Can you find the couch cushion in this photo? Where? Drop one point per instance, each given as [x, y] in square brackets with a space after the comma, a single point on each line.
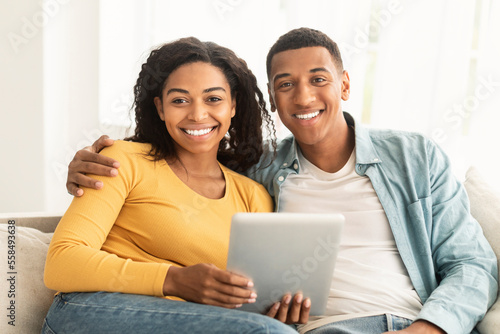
[32, 299]
[485, 207]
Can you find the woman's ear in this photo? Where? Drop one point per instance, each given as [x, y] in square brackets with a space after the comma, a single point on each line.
[233, 107]
[159, 107]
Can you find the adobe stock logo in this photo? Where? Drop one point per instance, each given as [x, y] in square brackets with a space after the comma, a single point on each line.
[456, 115]
[31, 26]
[293, 277]
[224, 6]
[296, 274]
[378, 21]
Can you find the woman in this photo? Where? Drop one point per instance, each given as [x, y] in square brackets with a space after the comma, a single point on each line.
[161, 229]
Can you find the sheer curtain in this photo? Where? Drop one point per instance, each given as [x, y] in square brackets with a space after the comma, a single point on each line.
[426, 66]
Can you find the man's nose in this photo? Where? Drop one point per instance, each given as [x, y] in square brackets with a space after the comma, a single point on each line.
[303, 95]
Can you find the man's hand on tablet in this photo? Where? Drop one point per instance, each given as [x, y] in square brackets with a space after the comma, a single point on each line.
[291, 312]
[89, 161]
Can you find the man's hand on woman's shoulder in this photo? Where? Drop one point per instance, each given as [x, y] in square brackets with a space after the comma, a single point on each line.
[89, 161]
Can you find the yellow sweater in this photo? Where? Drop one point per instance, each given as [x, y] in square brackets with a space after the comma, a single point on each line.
[124, 237]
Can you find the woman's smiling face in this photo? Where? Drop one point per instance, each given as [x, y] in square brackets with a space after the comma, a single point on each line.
[197, 107]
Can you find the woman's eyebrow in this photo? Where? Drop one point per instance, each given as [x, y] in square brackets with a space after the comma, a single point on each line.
[183, 91]
[177, 90]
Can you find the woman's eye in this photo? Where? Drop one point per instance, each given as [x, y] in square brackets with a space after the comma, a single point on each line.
[214, 99]
[179, 101]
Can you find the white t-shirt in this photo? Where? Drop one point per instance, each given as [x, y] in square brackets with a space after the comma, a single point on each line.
[370, 277]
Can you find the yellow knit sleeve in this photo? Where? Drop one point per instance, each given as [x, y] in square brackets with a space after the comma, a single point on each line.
[75, 261]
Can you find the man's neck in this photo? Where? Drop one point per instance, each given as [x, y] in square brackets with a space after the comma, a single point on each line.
[331, 156]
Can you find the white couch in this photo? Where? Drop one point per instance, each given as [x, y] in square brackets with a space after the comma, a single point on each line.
[31, 299]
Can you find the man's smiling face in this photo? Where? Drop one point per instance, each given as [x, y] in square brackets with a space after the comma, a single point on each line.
[306, 88]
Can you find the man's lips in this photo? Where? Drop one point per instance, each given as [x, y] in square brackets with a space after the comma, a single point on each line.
[309, 115]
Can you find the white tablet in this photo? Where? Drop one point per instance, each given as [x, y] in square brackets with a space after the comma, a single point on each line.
[285, 252]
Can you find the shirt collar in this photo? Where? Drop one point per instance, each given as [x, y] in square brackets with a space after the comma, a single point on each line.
[291, 155]
[365, 152]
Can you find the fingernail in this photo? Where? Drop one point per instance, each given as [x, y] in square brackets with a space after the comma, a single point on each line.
[298, 299]
[113, 172]
[79, 192]
[250, 284]
[253, 295]
[307, 303]
[98, 184]
[288, 298]
[252, 300]
[239, 305]
[276, 306]
[116, 164]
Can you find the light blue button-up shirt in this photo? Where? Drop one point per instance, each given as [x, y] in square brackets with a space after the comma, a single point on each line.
[450, 262]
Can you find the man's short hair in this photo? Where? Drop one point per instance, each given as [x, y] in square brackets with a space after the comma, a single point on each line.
[302, 38]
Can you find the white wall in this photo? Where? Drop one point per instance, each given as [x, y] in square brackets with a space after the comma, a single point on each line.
[52, 72]
[21, 92]
[71, 91]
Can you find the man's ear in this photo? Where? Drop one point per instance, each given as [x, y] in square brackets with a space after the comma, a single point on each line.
[271, 99]
[159, 108]
[346, 86]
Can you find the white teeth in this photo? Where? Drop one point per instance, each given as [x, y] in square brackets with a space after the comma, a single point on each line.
[308, 116]
[198, 132]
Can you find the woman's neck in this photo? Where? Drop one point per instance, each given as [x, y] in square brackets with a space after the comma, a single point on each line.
[201, 173]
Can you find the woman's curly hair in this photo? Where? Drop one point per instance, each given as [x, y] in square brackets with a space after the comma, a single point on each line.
[242, 147]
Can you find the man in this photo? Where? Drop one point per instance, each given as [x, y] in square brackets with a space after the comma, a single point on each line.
[412, 258]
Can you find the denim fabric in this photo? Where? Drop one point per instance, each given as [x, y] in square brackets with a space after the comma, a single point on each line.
[375, 324]
[104, 312]
[450, 262]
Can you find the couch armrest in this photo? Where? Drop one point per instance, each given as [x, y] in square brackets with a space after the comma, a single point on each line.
[45, 222]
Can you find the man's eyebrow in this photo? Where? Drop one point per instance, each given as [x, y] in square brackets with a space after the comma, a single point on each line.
[314, 70]
[211, 89]
[281, 75]
[319, 69]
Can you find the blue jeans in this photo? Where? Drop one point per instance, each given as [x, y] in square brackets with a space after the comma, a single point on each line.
[104, 312]
[376, 325]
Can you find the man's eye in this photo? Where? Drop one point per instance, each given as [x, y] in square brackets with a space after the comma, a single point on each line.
[318, 80]
[285, 84]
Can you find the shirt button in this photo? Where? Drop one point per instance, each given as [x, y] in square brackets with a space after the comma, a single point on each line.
[281, 178]
[285, 164]
[375, 160]
[295, 166]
